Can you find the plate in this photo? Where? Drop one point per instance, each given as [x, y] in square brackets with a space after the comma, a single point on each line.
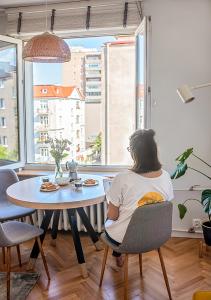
[63, 183]
[53, 190]
[91, 184]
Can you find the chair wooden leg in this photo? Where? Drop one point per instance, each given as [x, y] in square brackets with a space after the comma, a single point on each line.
[140, 264]
[164, 273]
[19, 254]
[31, 219]
[3, 255]
[103, 265]
[126, 277]
[43, 257]
[8, 271]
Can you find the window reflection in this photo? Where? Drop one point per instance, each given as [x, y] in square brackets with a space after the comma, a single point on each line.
[9, 146]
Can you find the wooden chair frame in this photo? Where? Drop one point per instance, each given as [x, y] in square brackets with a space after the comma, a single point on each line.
[140, 268]
[8, 263]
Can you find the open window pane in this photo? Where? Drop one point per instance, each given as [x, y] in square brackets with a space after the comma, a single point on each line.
[90, 100]
[9, 137]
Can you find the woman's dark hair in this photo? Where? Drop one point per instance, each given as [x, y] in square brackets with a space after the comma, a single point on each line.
[143, 150]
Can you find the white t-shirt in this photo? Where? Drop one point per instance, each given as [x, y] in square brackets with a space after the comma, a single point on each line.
[126, 190]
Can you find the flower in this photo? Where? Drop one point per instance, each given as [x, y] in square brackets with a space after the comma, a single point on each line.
[58, 146]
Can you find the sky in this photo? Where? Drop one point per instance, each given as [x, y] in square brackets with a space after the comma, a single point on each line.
[8, 55]
[51, 73]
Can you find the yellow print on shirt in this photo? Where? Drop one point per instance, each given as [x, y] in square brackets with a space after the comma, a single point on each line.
[150, 198]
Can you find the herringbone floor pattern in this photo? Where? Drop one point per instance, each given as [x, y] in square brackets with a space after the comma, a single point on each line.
[186, 271]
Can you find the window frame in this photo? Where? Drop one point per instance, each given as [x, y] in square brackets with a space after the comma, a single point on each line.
[88, 168]
[20, 103]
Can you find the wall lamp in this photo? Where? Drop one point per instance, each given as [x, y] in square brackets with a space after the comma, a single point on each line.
[185, 91]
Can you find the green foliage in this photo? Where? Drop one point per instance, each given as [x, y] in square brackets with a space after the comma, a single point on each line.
[3, 152]
[180, 170]
[8, 155]
[97, 143]
[182, 210]
[58, 148]
[206, 201]
[185, 155]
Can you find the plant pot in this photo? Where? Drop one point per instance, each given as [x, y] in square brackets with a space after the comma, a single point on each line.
[206, 227]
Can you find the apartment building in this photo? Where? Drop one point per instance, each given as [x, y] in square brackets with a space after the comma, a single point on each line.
[59, 112]
[8, 110]
[85, 72]
[119, 95]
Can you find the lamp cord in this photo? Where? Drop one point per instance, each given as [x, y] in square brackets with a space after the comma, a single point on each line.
[46, 16]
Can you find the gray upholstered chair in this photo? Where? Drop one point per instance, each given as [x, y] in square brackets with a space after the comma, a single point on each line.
[13, 233]
[9, 211]
[149, 228]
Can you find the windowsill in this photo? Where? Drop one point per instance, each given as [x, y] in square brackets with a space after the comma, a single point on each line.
[34, 173]
[82, 168]
[44, 170]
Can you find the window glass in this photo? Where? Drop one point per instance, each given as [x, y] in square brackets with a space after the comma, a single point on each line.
[9, 145]
[90, 101]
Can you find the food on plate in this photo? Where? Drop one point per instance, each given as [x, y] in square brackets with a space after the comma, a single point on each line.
[90, 181]
[49, 186]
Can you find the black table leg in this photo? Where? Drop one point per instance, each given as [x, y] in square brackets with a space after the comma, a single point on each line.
[87, 224]
[54, 229]
[45, 224]
[90, 229]
[77, 241]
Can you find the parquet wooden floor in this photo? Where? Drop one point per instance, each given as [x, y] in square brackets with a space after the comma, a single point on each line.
[186, 271]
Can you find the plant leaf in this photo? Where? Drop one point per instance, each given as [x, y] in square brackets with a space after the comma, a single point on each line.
[180, 170]
[206, 201]
[182, 158]
[182, 210]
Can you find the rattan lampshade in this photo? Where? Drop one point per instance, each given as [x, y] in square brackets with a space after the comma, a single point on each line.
[46, 48]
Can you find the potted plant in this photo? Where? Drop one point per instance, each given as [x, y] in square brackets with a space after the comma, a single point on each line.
[205, 201]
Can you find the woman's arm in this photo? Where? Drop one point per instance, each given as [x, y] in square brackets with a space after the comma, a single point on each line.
[113, 212]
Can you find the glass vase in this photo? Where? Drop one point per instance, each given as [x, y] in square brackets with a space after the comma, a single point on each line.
[58, 170]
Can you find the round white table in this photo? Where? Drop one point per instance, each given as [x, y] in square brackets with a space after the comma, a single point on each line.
[27, 193]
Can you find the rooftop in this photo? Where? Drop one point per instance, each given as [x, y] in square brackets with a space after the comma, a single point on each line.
[56, 91]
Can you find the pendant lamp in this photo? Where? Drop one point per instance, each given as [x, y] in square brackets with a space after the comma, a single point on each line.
[46, 48]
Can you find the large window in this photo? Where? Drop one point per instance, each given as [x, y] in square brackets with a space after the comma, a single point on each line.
[91, 101]
[9, 124]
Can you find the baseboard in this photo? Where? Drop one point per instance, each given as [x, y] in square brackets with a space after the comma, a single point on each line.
[183, 233]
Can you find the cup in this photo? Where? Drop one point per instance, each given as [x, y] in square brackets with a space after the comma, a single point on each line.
[78, 185]
[45, 179]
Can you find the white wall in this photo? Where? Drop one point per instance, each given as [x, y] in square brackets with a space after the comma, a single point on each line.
[181, 53]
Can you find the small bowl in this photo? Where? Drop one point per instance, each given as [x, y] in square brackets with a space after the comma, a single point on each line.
[62, 181]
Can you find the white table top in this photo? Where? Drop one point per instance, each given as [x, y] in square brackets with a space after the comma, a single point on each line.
[27, 193]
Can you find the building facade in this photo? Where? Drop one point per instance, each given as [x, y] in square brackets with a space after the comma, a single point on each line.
[59, 112]
[85, 72]
[8, 111]
[120, 99]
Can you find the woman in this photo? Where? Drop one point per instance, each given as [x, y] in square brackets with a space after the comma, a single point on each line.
[144, 183]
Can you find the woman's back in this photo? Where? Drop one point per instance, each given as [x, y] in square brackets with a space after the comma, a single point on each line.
[130, 190]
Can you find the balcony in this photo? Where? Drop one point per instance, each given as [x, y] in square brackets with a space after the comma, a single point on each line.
[42, 111]
[42, 141]
[41, 127]
[93, 74]
[93, 89]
